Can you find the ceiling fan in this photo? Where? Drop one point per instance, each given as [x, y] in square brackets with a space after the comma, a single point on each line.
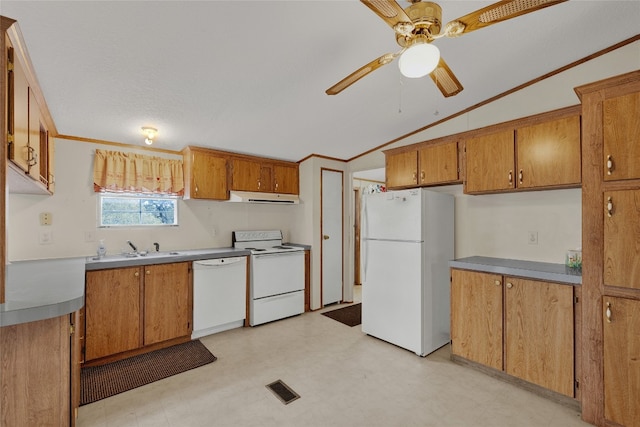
[419, 24]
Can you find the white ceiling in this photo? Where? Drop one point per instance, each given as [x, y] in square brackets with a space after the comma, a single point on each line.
[250, 76]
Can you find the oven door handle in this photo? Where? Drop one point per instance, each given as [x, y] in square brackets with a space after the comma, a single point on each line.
[291, 253]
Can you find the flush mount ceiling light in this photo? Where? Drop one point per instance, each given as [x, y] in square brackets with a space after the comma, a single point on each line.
[419, 59]
[150, 134]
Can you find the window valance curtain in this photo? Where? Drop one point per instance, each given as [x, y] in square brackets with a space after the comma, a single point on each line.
[136, 173]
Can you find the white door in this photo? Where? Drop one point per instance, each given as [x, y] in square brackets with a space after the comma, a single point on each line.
[331, 228]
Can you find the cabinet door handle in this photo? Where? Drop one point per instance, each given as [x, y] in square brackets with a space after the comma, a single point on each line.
[414, 177]
[520, 175]
[609, 165]
[608, 312]
[609, 207]
[137, 274]
[259, 184]
[421, 176]
[510, 177]
[148, 271]
[509, 285]
[32, 157]
[497, 283]
[196, 188]
[276, 186]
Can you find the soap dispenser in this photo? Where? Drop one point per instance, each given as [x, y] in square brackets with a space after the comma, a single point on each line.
[102, 249]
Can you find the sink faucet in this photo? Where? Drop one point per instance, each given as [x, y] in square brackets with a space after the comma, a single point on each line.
[157, 245]
[132, 246]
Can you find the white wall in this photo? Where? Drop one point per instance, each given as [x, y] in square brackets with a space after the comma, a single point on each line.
[203, 224]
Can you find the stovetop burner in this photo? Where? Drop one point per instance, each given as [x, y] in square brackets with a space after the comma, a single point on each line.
[268, 241]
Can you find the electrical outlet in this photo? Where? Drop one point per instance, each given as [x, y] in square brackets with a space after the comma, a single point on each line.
[45, 238]
[532, 237]
[89, 236]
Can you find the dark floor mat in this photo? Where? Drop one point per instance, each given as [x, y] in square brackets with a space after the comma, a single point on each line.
[100, 382]
[350, 316]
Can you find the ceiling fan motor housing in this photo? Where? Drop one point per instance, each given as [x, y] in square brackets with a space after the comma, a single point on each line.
[426, 17]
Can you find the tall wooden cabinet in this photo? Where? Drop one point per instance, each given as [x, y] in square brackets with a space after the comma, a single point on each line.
[136, 308]
[610, 245]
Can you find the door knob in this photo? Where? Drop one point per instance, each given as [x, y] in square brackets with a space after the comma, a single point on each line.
[325, 237]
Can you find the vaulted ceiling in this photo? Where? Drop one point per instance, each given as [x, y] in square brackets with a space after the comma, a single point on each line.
[250, 76]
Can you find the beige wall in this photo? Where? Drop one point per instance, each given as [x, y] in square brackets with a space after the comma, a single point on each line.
[203, 224]
[498, 225]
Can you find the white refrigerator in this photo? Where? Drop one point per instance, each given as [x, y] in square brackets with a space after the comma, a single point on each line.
[407, 242]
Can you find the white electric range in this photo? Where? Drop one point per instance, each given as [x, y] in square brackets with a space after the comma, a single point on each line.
[277, 276]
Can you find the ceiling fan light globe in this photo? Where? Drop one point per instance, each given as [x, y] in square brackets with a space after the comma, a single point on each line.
[419, 60]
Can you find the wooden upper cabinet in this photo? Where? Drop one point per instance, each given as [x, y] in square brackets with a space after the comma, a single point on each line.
[548, 154]
[622, 239]
[112, 311]
[167, 306]
[285, 179]
[476, 317]
[205, 174]
[621, 131]
[19, 112]
[621, 324]
[539, 341]
[402, 169]
[438, 163]
[246, 175]
[490, 161]
[265, 176]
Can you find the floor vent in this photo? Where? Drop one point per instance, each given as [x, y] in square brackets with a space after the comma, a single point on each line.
[283, 392]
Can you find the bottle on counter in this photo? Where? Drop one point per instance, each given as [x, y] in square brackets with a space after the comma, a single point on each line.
[102, 249]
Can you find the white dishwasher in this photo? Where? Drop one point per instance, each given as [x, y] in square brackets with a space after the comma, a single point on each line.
[219, 295]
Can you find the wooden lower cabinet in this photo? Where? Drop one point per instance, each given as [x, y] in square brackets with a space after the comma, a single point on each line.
[133, 308]
[476, 317]
[167, 302]
[112, 312]
[539, 328]
[36, 373]
[621, 330]
[522, 327]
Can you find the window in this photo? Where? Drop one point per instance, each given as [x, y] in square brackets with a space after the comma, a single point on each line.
[137, 210]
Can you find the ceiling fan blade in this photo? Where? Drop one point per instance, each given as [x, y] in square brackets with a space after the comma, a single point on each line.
[361, 72]
[390, 12]
[492, 14]
[446, 81]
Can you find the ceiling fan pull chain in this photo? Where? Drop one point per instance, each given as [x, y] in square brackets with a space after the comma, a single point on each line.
[400, 95]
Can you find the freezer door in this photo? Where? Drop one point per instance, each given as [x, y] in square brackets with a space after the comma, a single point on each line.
[392, 293]
[394, 215]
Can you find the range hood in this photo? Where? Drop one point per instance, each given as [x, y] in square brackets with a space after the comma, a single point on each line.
[274, 198]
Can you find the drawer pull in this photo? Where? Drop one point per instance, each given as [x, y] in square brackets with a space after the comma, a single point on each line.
[608, 312]
[609, 207]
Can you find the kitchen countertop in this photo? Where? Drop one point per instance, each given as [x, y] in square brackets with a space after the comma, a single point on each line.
[118, 261]
[49, 288]
[550, 272]
[42, 289]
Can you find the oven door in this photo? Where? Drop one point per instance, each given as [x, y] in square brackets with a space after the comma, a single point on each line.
[276, 273]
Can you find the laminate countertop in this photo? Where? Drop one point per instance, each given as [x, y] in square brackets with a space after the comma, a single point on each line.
[44, 289]
[546, 271]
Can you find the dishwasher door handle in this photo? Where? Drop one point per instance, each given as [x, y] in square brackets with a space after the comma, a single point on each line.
[217, 262]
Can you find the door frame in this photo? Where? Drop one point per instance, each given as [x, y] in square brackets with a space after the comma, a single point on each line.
[322, 170]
